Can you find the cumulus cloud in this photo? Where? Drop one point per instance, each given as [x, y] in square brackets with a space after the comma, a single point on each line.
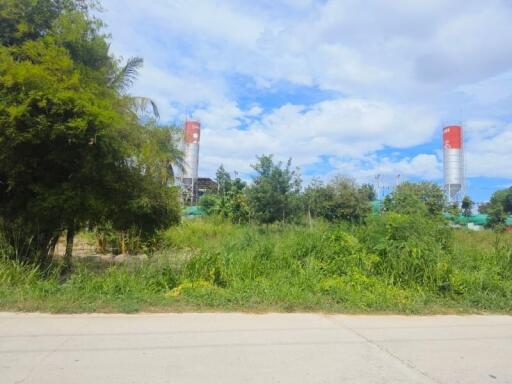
[489, 152]
[390, 170]
[348, 128]
[369, 48]
[393, 70]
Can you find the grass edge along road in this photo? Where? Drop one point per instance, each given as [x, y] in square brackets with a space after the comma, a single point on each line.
[216, 265]
[391, 264]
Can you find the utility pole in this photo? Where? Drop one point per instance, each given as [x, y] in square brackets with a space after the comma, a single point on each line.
[377, 185]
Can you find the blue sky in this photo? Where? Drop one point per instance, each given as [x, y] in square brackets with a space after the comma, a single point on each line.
[341, 86]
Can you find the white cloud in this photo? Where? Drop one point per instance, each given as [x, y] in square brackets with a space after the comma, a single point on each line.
[469, 47]
[422, 167]
[176, 94]
[348, 128]
[345, 45]
[490, 155]
[396, 68]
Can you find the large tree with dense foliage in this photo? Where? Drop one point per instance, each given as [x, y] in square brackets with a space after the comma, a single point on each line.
[229, 200]
[503, 197]
[368, 190]
[339, 200]
[498, 208]
[423, 198]
[275, 192]
[71, 146]
[24, 20]
[467, 206]
[223, 180]
[348, 202]
[316, 196]
[497, 217]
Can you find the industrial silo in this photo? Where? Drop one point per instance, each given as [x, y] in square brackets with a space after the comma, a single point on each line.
[453, 161]
[191, 136]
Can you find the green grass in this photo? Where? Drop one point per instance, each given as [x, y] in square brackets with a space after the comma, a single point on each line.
[394, 264]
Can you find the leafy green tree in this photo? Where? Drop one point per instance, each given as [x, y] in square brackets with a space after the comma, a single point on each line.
[210, 203]
[405, 202]
[454, 210]
[483, 208]
[237, 185]
[24, 20]
[339, 200]
[344, 200]
[315, 197]
[71, 145]
[238, 207]
[229, 201]
[416, 198]
[48, 117]
[275, 192]
[498, 208]
[368, 190]
[237, 202]
[497, 217]
[503, 197]
[467, 206]
[159, 154]
[223, 179]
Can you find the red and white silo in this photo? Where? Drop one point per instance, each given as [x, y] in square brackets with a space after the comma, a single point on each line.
[189, 174]
[453, 158]
[191, 136]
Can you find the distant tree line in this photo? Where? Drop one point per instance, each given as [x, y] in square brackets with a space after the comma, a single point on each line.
[276, 194]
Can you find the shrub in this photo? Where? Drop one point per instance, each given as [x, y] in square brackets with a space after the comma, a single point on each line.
[411, 249]
[394, 262]
[416, 199]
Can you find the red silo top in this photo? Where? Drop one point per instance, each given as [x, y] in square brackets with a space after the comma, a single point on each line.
[192, 132]
[452, 137]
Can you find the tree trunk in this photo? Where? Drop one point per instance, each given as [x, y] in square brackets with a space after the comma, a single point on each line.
[52, 245]
[309, 218]
[123, 245]
[70, 238]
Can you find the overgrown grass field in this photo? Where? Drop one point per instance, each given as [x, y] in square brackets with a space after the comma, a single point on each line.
[393, 263]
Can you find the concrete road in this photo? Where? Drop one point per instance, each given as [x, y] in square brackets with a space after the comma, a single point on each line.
[244, 348]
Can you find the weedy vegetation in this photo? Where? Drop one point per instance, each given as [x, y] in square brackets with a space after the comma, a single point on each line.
[83, 159]
[392, 263]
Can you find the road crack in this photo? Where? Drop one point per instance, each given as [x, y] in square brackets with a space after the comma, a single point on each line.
[381, 348]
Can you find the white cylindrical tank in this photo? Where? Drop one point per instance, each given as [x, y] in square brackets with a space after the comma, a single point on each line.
[191, 136]
[453, 162]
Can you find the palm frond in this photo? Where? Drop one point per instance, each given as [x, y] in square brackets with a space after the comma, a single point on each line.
[124, 78]
[140, 105]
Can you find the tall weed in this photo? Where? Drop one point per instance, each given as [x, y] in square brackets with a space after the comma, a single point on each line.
[392, 263]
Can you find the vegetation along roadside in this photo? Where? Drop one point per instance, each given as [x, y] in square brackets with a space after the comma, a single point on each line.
[80, 157]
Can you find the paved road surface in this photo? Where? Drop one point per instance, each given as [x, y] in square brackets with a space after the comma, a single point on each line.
[240, 348]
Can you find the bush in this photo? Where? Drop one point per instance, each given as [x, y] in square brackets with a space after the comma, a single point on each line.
[394, 262]
[411, 249]
[17, 274]
[416, 199]
[340, 200]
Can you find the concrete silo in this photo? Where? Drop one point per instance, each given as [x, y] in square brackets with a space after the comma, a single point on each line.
[453, 161]
[191, 136]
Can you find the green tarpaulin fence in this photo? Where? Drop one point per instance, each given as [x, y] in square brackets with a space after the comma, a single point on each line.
[193, 211]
